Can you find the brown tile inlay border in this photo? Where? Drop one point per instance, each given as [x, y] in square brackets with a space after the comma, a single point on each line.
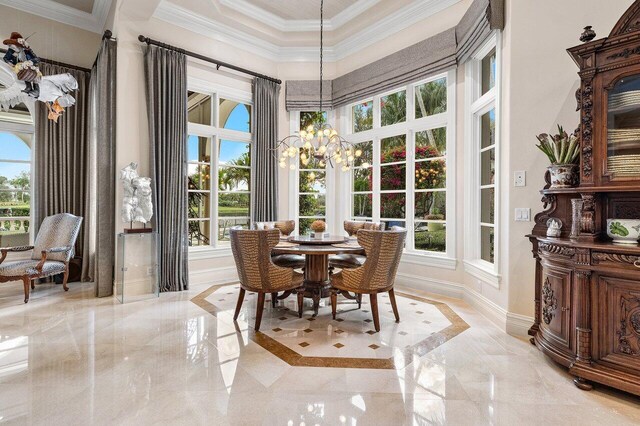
[397, 362]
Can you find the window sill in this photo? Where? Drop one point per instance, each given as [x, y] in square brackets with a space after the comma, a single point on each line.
[430, 260]
[200, 253]
[480, 270]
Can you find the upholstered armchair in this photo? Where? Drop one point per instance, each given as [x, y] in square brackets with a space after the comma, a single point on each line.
[53, 249]
[252, 253]
[376, 275]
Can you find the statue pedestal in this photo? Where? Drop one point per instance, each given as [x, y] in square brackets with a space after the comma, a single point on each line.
[137, 230]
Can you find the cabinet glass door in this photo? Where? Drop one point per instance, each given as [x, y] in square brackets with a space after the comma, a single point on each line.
[623, 130]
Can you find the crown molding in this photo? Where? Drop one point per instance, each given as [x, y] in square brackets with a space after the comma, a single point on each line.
[299, 25]
[49, 9]
[216, 30]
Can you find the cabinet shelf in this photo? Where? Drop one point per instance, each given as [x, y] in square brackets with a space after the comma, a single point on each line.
[592, 189]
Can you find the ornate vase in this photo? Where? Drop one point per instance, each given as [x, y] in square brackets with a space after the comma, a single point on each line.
[563, 175]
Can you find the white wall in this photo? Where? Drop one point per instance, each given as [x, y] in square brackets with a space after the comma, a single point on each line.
[540, 81]
[51, 39]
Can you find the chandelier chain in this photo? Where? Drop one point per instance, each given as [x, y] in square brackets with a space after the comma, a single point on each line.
[321, 51]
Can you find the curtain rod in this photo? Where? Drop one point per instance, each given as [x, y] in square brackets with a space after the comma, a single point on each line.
[218, 64]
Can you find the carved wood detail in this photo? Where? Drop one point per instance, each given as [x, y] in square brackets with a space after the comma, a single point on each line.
[586, 133]
[628, 22]
[583, 256]
[598, 257]
[588, 222]
[629, 329]
[556, 249]
[550, 302]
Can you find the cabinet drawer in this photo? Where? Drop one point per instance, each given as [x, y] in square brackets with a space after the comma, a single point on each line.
[616, 260]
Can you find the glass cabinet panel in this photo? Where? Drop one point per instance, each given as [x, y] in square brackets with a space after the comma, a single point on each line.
[623, 133]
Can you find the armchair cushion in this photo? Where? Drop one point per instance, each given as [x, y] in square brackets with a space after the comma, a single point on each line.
[60, 230]
[20, 268]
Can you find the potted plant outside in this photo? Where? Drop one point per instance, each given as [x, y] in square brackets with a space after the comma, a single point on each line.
[563, 150]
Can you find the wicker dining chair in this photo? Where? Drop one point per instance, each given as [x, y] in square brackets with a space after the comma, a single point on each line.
[295, 261]
[252, 253]
[376, 275]
[344, 261]
[52, 251]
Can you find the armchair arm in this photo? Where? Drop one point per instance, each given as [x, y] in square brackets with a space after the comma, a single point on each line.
[6, 250]
[40, 264]
[58, 249]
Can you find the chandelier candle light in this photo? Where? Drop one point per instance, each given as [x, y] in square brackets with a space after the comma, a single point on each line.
[319, 141]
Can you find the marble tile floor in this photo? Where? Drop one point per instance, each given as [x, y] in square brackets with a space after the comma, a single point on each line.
[71, 359]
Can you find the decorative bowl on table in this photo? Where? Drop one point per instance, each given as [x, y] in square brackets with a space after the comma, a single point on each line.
[624, 231]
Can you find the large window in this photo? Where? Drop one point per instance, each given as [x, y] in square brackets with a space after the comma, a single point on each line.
[219, 165]
[402, 177]
[16, 142]
[15, 188]
[311, 178]
[482, 143]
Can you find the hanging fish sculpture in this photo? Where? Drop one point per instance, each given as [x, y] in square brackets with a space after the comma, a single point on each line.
[20, 67]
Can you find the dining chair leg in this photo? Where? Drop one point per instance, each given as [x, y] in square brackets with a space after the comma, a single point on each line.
[359, 299]
[27, 282]
[274, 299]
[373, 298]
[300, 302]
[334, 303]
[239, 304]
[259, 310]
[392, 297]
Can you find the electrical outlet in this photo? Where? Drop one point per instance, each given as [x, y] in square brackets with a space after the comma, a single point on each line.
[520, 178]
[523, 214]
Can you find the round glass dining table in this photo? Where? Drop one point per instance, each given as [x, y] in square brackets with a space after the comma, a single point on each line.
[316, 253]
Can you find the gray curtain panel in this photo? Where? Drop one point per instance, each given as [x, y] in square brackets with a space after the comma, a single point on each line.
[166, 75]
[264, 162]
[60, 172]
[304, 95]
[475, 26]
[100, 173]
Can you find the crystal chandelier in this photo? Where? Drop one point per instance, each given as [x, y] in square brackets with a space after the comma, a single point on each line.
[319, 141]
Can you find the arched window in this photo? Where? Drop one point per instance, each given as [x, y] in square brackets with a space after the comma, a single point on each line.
[15, 177]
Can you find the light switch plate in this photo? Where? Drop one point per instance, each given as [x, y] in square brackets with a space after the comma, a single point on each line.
[523, 214]
[520, 178]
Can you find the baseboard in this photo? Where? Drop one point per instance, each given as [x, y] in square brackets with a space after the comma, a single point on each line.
[441, 287]
[514, 324]
[489, 309]
[221, 275]
[519, 325]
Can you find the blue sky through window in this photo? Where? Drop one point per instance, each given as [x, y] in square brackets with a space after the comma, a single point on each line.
[13, 148]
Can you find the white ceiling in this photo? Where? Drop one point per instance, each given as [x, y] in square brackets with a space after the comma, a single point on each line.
[302, 9]
[89, 15]
[83, 5]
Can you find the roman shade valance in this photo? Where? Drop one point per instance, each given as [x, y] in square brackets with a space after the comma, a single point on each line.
[419, 61]
[305, 94]
[413, 63]
[475, 26]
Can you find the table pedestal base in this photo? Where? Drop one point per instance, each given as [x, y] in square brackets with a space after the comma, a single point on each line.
[316, 279]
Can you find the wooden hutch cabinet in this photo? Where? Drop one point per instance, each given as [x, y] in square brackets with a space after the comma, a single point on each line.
[587, 300]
